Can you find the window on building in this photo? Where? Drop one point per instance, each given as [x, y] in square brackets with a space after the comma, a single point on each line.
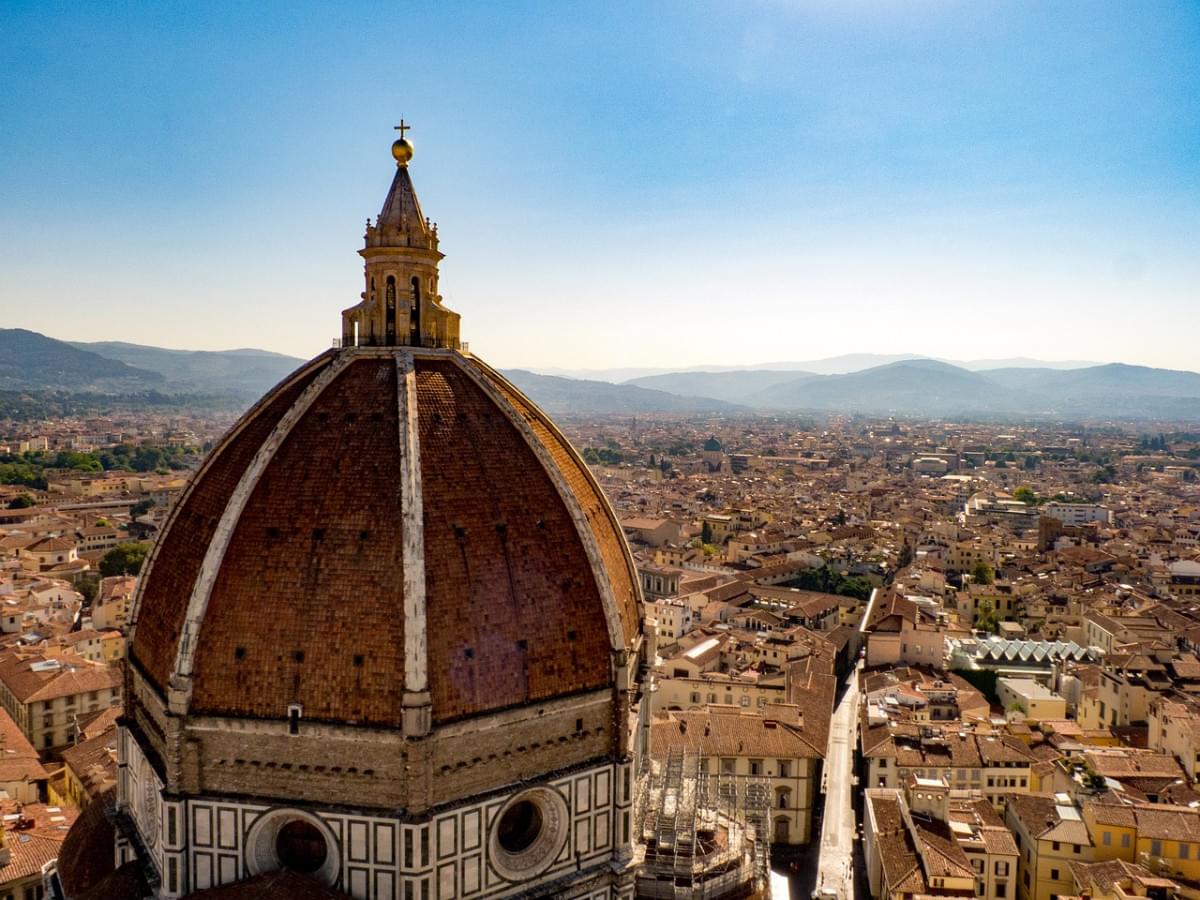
[1054, 874]
[1185, 851]
[785, 769]
[1001, 889]
[1001, 868]
[1054, 845]
[883, 764]
[1156, 848]
[1125, 841]
[1107, 838]
[728, 766]
[756, 767]
[301, 847]
[745, 700]
[695, 696]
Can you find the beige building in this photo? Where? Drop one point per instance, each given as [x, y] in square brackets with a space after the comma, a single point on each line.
[653, 532]
[1050, 834]
[44, 695]
[909, 851]
[1030, 698]
[111, 609]
[1174, 728]
[49, 553]
[22, 776]
[782, 744]
[902, 633]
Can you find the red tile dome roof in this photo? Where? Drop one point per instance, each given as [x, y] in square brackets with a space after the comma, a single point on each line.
[299, 562]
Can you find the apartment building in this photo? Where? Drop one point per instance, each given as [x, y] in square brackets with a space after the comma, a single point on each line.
[784, 745]
[44, 695]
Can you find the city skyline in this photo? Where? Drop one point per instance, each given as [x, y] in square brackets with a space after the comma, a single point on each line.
[674, 187]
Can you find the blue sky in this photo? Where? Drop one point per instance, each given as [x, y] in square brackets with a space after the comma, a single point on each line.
[616, 184]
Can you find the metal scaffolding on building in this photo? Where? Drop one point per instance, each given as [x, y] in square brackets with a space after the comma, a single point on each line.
[705, 836]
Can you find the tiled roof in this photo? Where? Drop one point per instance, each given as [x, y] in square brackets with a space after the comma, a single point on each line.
[714, 734]
[87, 854]
[308, 603]
[36, 840]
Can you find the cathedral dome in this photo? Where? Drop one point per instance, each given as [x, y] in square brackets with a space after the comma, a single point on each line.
[387, 520]
[392, 620]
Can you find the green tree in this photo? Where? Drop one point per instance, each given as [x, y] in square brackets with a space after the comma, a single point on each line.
[21, 501]
[124, 559]
[88, 585]
[141, 508]
[706, 534]
[983, 573]
[147, 459]
[1026, 495]
[986, 618]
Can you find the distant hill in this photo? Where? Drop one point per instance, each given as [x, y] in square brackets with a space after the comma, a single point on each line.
[32, 361]
[568, 396]
[733, 387]
[1116, 389]
[915, 387]
[245, 374]
[844, 364]
[906, 386]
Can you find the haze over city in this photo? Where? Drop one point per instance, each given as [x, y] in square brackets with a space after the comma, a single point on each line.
[629, 185]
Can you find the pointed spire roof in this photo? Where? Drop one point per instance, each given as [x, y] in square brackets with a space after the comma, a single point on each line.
[401, 208]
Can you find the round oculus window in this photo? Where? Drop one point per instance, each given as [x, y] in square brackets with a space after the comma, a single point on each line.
[301, 847]
[295, 840]
[519, 827]
[528, 834]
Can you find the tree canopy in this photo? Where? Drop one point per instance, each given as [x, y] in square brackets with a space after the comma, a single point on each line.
[124, 559]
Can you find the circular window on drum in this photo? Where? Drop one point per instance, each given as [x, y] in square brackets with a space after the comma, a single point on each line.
[295, 840]
[528, 833]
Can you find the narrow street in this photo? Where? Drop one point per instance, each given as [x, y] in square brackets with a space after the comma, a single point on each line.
[835, 866]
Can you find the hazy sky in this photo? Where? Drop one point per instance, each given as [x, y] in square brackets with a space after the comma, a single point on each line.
[616, 184]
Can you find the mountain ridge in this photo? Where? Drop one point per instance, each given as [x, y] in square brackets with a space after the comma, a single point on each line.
[906, 385]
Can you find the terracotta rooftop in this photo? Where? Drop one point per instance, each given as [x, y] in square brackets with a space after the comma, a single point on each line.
[308, 600]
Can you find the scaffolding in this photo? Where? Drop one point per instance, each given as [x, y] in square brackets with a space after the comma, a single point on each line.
[704, 836]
